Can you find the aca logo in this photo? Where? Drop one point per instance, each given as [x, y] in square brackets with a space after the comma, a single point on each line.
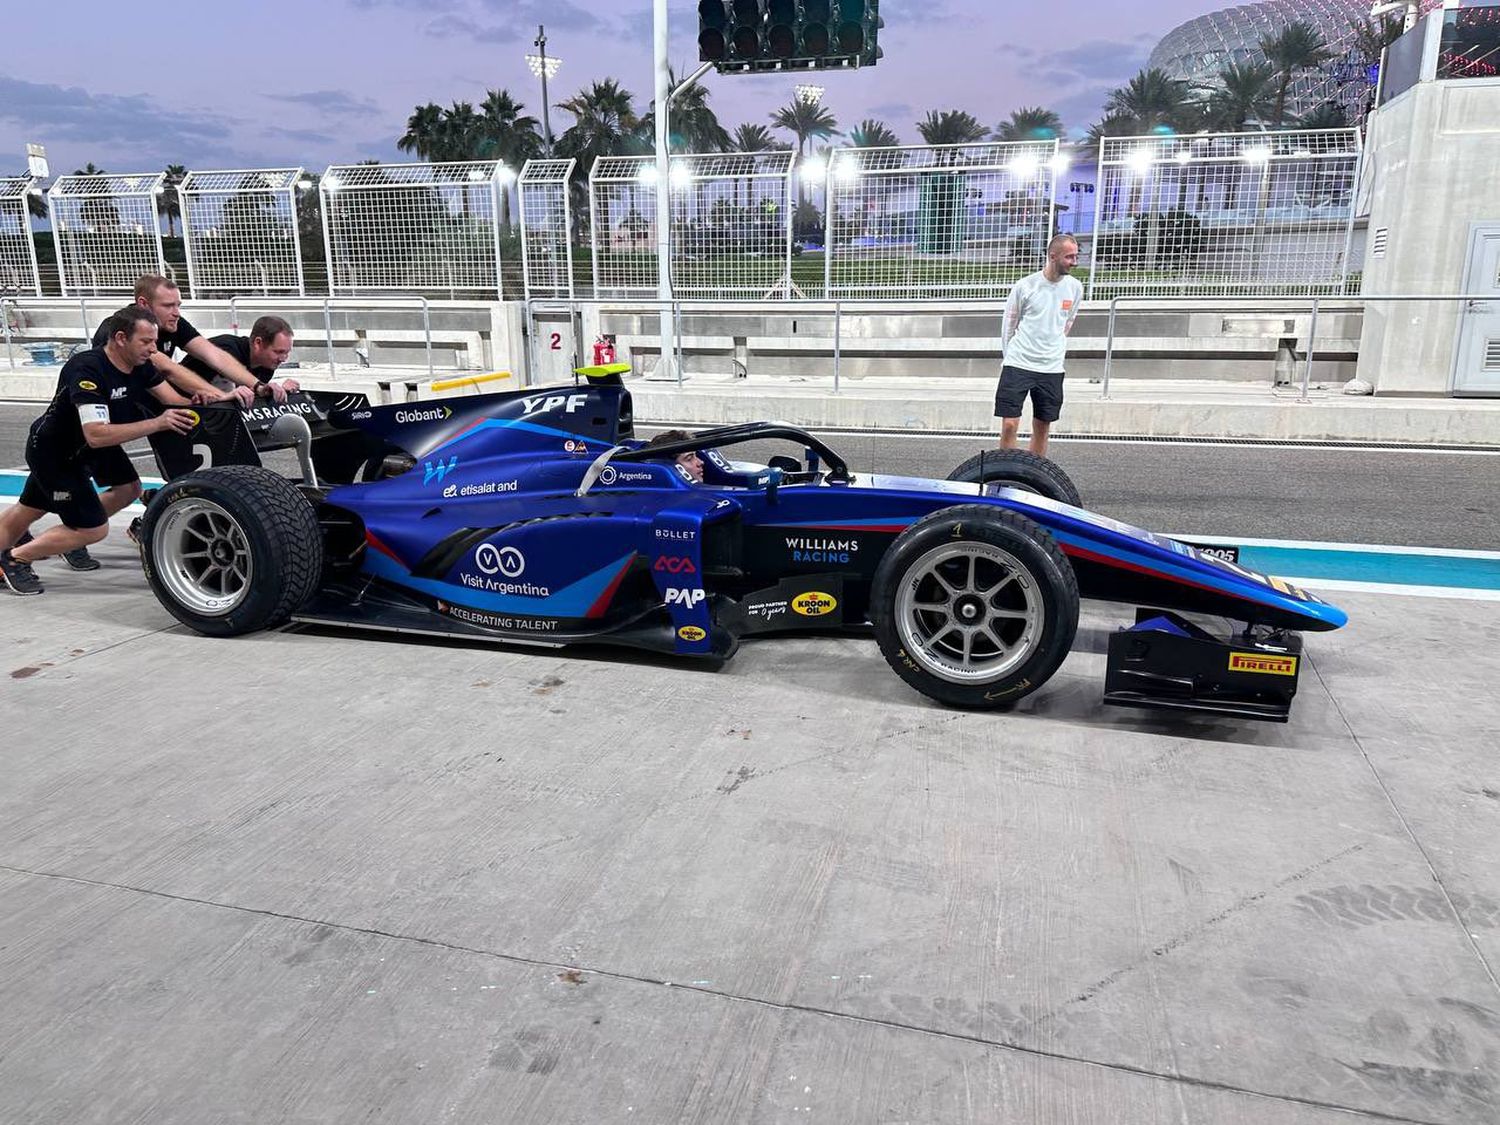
[673, 564]
[439, 471]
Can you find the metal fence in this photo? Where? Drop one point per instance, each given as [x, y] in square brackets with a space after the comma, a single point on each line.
[413, 228]
[18, 272]
[731, 232]
[546, 227]
[239, 229]
[107, 230]
[1225, 213]
[946, 221]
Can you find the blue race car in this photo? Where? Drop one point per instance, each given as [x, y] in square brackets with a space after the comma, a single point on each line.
[538, 517]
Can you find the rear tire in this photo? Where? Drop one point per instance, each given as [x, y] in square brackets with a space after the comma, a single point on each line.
[231, 550]
[975, 606]
[1019, 468]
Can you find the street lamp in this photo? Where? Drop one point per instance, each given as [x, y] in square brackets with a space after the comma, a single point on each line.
[544, 68]
[808, 93]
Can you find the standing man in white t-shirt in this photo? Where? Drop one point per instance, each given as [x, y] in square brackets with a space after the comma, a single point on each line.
[1034, 338]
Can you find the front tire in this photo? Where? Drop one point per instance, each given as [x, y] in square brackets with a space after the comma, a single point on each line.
[975, 606]
[231, 550]
[1019, 468]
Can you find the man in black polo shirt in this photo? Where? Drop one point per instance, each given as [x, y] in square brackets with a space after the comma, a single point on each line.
[162, 297]
[262, 352]
[91, 412]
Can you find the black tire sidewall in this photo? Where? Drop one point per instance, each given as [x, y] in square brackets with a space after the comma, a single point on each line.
[1023, 467]
[278, 584]
[1033, 548]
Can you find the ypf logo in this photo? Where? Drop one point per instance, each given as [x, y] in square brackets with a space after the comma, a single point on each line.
[500, 560]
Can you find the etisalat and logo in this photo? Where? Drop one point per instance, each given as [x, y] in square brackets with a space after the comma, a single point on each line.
[498, 565]
[812, 550]
[488, 488]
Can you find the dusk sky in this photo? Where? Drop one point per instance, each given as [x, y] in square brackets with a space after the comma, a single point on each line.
[317, 82]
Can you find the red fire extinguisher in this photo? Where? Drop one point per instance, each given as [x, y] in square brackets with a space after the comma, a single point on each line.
[604, 351]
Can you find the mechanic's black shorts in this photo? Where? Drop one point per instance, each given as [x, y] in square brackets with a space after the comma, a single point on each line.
[1045, 388]
[62, 485]
[111, 466]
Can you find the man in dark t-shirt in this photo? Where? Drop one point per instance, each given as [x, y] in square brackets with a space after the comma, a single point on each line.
[162, 297]
[262, 352]
[91, 411]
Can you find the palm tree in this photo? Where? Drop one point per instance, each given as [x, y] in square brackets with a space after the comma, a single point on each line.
[1152, 100]
[1299, 46]
[1032, 123]
[870, 133]
[805, 120]
[1243, 93]
[1324, 115]
[1369, 37]
[171, 202]
[951, 127]
[504, 133]
[692, 126]
[604, 124]
[459, 136]
[753, 138]
[423, 129]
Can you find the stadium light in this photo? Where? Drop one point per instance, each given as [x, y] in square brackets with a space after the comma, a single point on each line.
[680, 177]
[1260, 154]
[809, 94]
[1140, 161]
[544, 66]
[814, 169]
[1060, 163]
[846, 169]
[1023, 167]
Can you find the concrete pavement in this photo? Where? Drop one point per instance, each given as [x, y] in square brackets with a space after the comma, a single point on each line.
[312, 876]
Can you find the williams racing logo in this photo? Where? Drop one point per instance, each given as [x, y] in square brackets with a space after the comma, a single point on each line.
[1262, 664]
[808, 550]
[436, 472]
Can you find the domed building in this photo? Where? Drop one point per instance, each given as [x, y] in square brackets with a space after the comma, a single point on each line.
[1198, 50]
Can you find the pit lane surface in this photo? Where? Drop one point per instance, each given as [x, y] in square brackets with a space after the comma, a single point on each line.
[314, 876]
[1399, 497]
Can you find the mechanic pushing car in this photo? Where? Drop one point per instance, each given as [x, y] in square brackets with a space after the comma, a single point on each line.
[77, 441]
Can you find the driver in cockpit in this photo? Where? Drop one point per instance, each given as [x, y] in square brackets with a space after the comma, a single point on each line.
[689, 460]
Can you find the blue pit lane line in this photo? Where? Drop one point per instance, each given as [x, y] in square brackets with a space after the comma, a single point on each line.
[1434, 569]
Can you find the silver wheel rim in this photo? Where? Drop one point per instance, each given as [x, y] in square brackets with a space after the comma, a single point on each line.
[203, 557]
[969, 613]
[992, 487]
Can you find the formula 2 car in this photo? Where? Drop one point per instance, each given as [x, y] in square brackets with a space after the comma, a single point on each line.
[538, 517]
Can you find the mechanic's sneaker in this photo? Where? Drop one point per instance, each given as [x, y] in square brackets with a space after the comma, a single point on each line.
[133, 532]
[18, 575]
[78, 558]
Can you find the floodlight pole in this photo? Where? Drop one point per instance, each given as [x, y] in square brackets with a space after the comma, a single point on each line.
[663, 191]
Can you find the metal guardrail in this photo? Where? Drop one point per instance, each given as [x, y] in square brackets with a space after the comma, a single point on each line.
[1312, 304]
[327, 304]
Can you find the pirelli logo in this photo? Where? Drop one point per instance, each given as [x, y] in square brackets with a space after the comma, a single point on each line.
[1262, 664]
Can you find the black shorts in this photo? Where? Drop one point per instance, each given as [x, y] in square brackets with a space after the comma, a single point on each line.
[111, 466]
[62, 485]
[1045, 388]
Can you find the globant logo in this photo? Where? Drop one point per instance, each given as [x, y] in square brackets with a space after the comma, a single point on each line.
[429, 414]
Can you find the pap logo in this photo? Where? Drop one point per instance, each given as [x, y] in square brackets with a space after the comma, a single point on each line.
[688, 598]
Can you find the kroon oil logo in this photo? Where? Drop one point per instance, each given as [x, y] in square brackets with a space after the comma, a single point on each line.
[814, 603]
[1262, 664]
[691, 633]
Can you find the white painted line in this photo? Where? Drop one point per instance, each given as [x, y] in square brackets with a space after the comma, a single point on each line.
[1314, 545]
[1463, 593]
